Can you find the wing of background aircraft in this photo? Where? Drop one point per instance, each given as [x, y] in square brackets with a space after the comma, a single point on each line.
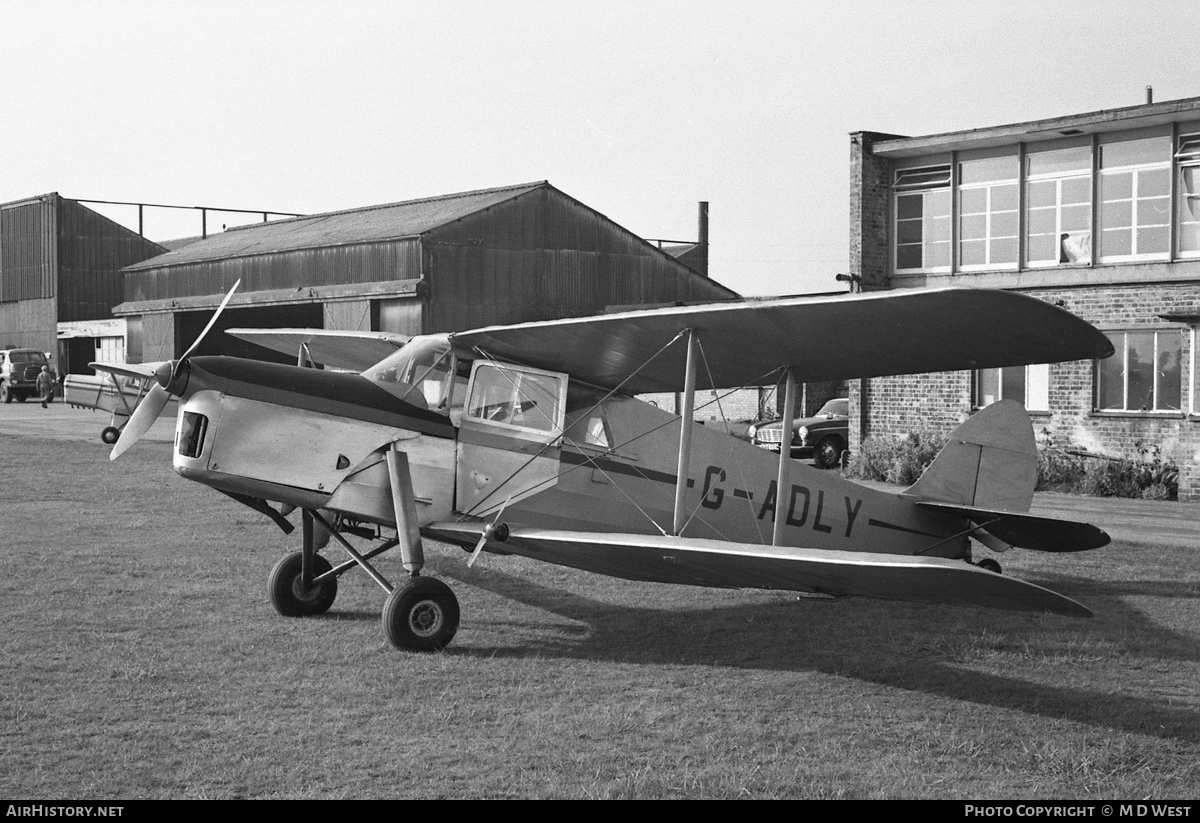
[137, 371]
[717, 563]
[351, 350]
[819, 338]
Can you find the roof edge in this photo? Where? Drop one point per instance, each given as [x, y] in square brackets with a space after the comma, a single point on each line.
[1167, 111]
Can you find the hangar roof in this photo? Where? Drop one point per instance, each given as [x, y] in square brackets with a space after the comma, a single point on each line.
[392, 221]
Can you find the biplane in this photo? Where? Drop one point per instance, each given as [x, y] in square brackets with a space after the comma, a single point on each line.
[529, 439]
[117, 388]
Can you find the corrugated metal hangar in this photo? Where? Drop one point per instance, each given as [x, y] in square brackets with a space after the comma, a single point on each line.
[60, 273]
[458, 261]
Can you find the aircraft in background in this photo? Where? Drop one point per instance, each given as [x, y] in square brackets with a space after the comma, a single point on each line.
[119, 387]
[116, 389]
[529, 439]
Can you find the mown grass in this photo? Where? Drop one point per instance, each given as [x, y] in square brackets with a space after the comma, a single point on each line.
[140, 658]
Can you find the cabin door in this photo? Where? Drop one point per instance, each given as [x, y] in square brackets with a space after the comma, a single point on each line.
[510, 438]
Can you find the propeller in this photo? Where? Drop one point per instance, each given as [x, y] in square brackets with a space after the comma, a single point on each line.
[494, 529]
[156, 399]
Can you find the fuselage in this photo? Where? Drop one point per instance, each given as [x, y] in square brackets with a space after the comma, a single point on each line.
[549, 452]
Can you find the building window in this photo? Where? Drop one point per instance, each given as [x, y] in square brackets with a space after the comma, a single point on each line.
[1058, 211]
[1189, 195]
[1144, 374]
[1195, 381]
[923, 219]
[1028, 385]
[987, 213]
[1135, 199]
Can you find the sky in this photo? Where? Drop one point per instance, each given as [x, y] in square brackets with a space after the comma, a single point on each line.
[637, 109]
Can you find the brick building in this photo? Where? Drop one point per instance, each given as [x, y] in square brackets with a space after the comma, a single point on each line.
[1098, 213]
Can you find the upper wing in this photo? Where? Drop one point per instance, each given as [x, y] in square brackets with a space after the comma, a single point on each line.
[745, 565]
[353, 350]
[819, 338]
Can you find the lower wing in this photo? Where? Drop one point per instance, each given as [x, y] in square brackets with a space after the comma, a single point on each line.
[720, 564]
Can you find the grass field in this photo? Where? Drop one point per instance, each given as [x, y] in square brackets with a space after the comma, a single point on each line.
[141, 659]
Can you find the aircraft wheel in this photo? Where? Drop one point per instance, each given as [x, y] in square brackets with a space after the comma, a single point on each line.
[421, 615]
[988, 564]
[828, 452]
[110, 434]
[288, 594]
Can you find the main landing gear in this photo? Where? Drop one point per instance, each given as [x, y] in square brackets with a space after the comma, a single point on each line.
[419, 615]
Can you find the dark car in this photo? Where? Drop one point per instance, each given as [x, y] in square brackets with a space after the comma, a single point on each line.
[823, 436]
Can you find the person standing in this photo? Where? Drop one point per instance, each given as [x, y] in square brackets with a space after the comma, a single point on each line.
[45, 385]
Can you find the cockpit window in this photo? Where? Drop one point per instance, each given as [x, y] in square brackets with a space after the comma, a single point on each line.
[517, 397]
[420, 372]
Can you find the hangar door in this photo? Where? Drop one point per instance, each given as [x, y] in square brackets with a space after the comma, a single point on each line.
[188, 326]
[401, 315]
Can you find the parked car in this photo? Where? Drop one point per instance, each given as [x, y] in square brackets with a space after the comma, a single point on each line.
[18, 373]
[823, 436]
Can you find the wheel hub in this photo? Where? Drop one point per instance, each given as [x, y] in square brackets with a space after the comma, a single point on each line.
[306, 594]
[426, 618]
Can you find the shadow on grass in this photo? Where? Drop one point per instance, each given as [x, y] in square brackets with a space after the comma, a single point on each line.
[934, 650]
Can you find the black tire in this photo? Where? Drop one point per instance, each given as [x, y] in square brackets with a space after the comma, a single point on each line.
[988, 564]
[110, 434]
[421, 615]
[5, 393]
[20, 397]
[828, 452]
[288, 595]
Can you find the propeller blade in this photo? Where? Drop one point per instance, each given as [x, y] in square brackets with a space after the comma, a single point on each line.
[487, 533]
[141, 420]
[212, 320]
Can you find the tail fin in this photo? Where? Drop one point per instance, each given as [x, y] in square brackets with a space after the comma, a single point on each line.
[987, 474]
[990, 462]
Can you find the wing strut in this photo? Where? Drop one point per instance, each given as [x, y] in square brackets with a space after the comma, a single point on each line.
[685, 431]
[783, 479]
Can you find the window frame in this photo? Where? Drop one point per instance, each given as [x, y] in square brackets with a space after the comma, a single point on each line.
[514, 374]
[1060, 178]
[923, 181]
[1186, 158]
[1134, 200]
[977, 387]
[1193, 374]
[1122, 351]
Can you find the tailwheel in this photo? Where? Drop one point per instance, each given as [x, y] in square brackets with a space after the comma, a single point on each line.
[110, 434]
[421, 615]
[291, 597]
[990, 565]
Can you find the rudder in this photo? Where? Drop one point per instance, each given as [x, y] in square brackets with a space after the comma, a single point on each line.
[989, 462]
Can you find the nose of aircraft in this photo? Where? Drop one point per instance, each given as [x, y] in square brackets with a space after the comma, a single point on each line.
[165, 372]
[168, 376]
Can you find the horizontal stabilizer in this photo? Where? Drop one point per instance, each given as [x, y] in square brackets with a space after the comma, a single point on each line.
[720, 564]
[1028, 531]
